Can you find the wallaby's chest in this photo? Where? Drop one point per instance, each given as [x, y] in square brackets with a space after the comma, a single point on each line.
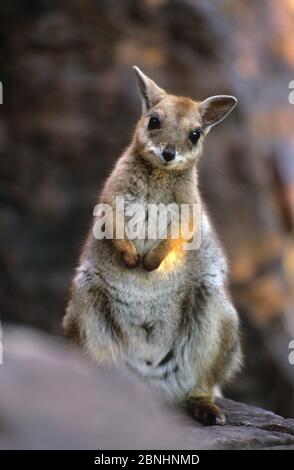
[146, 207]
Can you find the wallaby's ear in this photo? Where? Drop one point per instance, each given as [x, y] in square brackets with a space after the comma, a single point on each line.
[214, 109]
[150, 93]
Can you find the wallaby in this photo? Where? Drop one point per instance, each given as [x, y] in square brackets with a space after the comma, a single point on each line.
[151, 305]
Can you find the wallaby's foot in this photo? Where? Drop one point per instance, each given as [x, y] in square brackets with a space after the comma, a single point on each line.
[205, 411]
[131, 260]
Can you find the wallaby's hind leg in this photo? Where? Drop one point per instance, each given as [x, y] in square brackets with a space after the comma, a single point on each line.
[205, 410]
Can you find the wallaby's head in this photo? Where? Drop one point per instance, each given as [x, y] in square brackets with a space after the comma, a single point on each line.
[171, 130]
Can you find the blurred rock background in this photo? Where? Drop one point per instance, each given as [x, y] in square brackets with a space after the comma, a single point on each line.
[70, 104]
[53, 398]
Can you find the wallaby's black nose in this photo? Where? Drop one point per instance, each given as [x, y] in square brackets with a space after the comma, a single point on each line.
[168, 153]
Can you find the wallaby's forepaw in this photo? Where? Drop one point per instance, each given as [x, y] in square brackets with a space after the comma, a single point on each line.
[131, 260]
[151, 262]
[205, 411]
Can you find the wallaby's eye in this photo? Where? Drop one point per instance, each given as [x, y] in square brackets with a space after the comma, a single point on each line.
[154, 123]
[195, 135]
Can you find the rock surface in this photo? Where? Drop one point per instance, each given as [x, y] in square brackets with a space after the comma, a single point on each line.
[248, 428]
[53, 398]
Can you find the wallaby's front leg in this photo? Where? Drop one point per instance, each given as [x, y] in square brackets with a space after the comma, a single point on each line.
[159, 252]
[154, 258]
[128, 251]
[124, 246]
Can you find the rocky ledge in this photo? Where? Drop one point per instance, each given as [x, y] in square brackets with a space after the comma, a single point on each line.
[53, 398]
